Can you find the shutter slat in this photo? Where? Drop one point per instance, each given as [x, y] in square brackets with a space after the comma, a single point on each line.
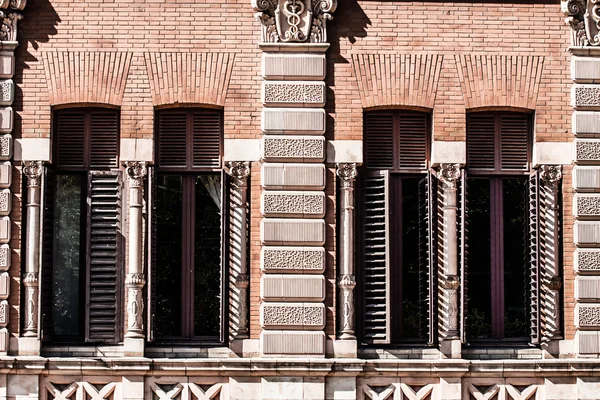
[172, 138]
[70, 138]
[480, 141]
[513, 139]
[206, 128]
[379, 140]
[412, 141]
[104, 139]
[104, 262]
[534, 257]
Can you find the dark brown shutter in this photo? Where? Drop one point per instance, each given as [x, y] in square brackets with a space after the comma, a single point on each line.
[379, 140]
[172, 139]
[534, 257]
[104, 256]
[225, 223]
[70, 131]
[376, 259]
[481, 141]
[104, 138]
[463, 255]
[412, 140]
[206, 128]
[47, 229]
[428, 257]
[151, 251]
[514, 147]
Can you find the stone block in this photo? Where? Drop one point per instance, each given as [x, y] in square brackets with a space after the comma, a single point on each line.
[587, 233]
[6, 146]
[4, 310]
[553, 153]
[277, 176]
[7, 92]
[293, 94]
[4, 337]
[293, 148]
[292, 287]
[4, 285]
[4, 257]
[588, 387]
[305, 316]
[31, 149]
[136, 149]
[5, 201]
[560, 388]
[587, 260]
[293, 66]
[340, 388]
[293, 204]
[7, 64]
[586, 123]
[446, 152]
[585, 96]
[586, 178]
[292, 343]
[294, 121]
[586, 205]
[5, 230]
[586, 151]
[587, 316]
[587, 288]
[281, 232]
[6, 123]
[293, 259]
[585, 69]
[241, 150]
[5, 174]
[344, 151]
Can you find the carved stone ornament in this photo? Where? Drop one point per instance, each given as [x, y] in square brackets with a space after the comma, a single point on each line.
[347, 173]
[449, 175]
[294, 20]
[452, 282]
[136, 172]
[239, 172]
[550, 175]
[33, 170]
[8, 32]
[135, 305]
[584, 18]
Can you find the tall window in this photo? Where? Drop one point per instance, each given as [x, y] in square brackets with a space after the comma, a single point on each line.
[498, 195]
[82, 262]
[187, 277]
[396, 223]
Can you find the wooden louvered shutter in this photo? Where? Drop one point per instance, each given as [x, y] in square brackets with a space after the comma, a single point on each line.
[379, 140]
[534, 256]
[104, 261]
[376, 259]
[104, 138]
[151, 232]
[463, 254]
[206, 136]
[225, 223]
[514, 155]
[70, 135]
[47, 272]
[481, 142]
[172, 139]
[412, 140]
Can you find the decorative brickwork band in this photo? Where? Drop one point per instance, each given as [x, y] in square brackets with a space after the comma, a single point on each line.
[448, 175]
[239, 172]
[294, 20]
[33, 171]
[347, 173]
[550, 179]
[136, 174]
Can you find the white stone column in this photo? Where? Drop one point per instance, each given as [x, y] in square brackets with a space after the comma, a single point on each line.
[346, 280]
[239, 171]
[448, 176]
[33, 171]
[136, 174]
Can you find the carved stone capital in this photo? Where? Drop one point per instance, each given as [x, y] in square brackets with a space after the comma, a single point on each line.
[347, 173]
[8, 32]
[451, 282]
[347, 282]
[294, 20]
[239, 172]
[33, 170]
[550, 175]
[554, 283]
[242, 281]
[135, 280]
[449, 174]
[136, 172]
[584, 18]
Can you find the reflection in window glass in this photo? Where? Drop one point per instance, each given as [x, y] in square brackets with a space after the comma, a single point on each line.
[67, 272]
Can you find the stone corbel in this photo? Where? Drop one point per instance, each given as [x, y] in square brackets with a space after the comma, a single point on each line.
[448, 176]
[33, 171]
[294, 20]
[239, 172]
[347, 173]
[550, 179]
[136, 174]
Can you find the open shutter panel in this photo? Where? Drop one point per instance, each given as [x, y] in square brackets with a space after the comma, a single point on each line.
[104, 256]
[225, 223]
[104, 138]
[463, 254]
[513, 142]
[47, 275]
[379, 140]
[480, 141]
[427, 258]
[412, 141]
[206, 134]
[172, 139]
[70, 130]
[376, 290]
[151, 251]
[534, 256]
[432, 254]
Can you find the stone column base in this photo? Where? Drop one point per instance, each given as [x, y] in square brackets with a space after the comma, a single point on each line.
[451, 348]
[133, 347]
